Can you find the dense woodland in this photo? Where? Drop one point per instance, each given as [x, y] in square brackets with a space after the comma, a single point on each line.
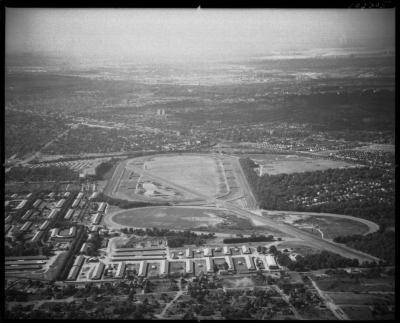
[362, 192]
[380, 244]
[175, 239]
[50, 173]
[325, 259]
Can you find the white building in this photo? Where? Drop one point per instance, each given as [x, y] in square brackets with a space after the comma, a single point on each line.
[209, 266]
[68, 215]
[227, 251]
[120, 270]
[60, 203]
[189, 266]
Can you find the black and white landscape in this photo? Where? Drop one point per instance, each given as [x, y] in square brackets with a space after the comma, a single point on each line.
[199, 164]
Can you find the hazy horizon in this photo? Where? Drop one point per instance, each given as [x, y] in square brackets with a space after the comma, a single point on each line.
[188, 35]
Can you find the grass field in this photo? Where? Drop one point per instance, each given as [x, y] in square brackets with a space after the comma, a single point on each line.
[331, 226]
[198, 172]
[169, 217]
[277, 164]
[360, 299]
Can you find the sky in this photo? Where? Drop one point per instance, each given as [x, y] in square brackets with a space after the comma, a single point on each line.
[190, 34]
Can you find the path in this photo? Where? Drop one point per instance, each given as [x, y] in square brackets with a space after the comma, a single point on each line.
[336, 310]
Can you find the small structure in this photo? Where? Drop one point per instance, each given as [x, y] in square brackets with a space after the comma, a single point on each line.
[68, 215]
[75, 203]
[60, 203]
[249, 263]
[189, 266]
[44, 225]
[207, 252]
[38, 235]
[188, 253]
[27, 215]
[227, 251]
[52, 214]
[120, 270]
[228, 260]
[21, 204]
[208, 265]
[26, 226]
[245, 249]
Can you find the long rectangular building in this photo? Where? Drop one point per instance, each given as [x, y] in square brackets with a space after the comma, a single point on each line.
[60, 203]
[8, 219]
[21, 204]
[79, 261]
[120, 270]
[208, 265]
[73, 273]
[228, 260]
[68, 215]
[37, 203]
[249, 263]
[164, 268]
[188, 253]
[27, 215]
[271, 263]
[38, 235]
[142, 269]
[44, 225]
[80, 195]
[189, 266]
[75, 203]
[26, 226]
[102, 207]
[97, 218]
[52, 214]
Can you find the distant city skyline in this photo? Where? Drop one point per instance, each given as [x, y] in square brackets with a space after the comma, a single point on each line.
[186, 35]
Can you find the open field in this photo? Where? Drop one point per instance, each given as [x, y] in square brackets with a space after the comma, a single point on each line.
[273, 164]
[331, 225]
[348, 298]
[169, 217]
[199, 172]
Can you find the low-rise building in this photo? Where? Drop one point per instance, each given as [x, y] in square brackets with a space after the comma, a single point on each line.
[68, 215]
[189, 266]
[227, 251]
[164, 268]
[75, 203]
[73, 273]
[188, 253]
[142, 269]
[44, 225]
[60, 203]
[249, 263]
[209, 267]
[27, 215]
[21, 204]
[38, 235]
[229, 261]
[245, 249]
[120, 270]
[26, 226]
[52, 214]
